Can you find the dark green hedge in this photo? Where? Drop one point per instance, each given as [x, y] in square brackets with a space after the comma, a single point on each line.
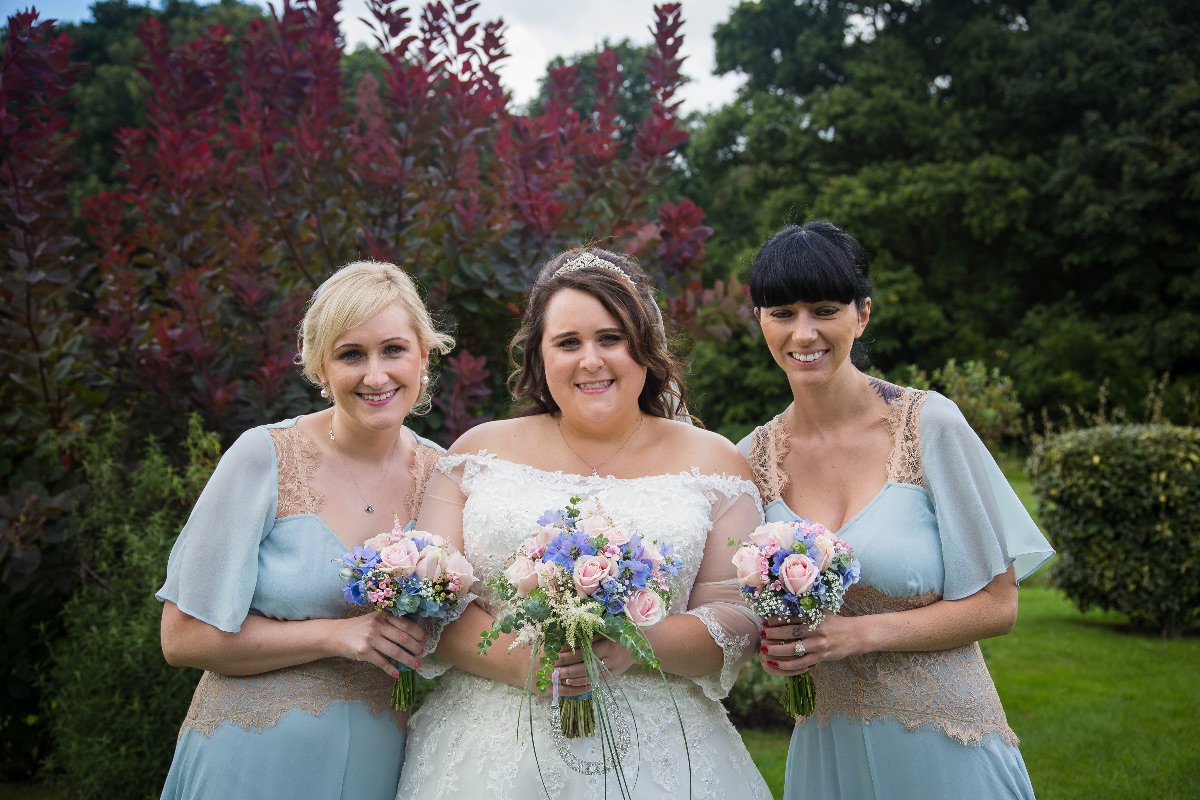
[1121, 504]
[114, 703]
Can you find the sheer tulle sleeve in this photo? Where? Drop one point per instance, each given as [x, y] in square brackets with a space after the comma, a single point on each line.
[716, 599]
[982, 523]
[213, 567]
[441, 513]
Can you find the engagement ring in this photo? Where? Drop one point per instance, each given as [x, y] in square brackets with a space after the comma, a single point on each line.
[800, 648]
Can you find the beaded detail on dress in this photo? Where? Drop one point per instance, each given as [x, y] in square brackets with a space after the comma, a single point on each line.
[424, 462]
[950, 690]
[256, 702]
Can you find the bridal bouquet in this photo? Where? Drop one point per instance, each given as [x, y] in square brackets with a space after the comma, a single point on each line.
[574, 578]
[796, 569]
[410, 574]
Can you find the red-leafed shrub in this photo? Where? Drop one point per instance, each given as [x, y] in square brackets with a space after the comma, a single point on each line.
[259, 170]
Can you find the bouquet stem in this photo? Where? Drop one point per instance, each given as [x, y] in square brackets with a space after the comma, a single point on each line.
[799, 695]
[404, 690]
[577, 716]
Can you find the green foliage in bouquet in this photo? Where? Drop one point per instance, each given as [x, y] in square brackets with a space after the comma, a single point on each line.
[115, 705]
[1121, 504]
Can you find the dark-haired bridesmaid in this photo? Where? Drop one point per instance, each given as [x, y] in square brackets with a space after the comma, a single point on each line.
[905, 707]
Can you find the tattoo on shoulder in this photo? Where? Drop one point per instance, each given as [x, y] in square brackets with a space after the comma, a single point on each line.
[888, 391]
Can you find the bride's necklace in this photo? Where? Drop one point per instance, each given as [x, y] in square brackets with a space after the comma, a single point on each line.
[596, 469]
[368, 506]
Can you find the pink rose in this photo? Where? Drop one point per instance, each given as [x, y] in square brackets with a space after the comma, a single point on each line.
[432, 563]
[745, 560]
[782, 534]
[542, 537]
[825, 550]
[401, 556]
[545, 573]
[590, 571]
[594, 526]
[645, 608]
[378, 542]
[798, 573]
[618, 537]
[650, 550]
[522, 574]
[459, 567]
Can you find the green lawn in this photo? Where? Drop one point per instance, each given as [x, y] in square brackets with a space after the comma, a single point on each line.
[1101, 712]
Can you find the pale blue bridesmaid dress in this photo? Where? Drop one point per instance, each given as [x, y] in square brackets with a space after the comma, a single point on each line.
[913, 726]
[255, 545]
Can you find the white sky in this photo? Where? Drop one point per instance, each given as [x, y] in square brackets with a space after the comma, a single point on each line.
[537, 31]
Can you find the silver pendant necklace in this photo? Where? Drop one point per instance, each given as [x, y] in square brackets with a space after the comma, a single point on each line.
[596, 469]
[368, 506]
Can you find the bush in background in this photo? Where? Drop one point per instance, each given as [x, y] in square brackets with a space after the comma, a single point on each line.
[986, 398]
[114, 704]
[753, 702]
[1121, 504]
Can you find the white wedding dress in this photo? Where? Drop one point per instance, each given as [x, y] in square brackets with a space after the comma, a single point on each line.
[471, 737]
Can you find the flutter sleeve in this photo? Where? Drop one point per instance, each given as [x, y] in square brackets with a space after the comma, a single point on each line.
[213, 568]
[716, 599]
[983, 526]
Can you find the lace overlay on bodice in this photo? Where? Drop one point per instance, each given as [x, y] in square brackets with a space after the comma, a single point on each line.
[256, 702]
[950, 690]
[769, 447]
[298, 460]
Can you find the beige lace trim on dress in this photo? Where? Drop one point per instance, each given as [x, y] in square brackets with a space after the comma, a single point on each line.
[298, 459]
[256, 702]
[768, 448]
[950, 690]
[424, 462]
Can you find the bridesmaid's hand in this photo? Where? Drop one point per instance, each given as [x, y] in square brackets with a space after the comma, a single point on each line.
[789, 647]
[381, 639]
[572, 676]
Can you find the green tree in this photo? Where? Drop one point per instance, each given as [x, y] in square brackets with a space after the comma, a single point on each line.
[1024, 175]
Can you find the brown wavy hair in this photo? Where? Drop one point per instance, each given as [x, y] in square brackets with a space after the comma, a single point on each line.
[630, 302]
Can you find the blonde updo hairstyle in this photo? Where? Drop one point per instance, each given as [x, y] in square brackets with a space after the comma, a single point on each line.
[350, 297]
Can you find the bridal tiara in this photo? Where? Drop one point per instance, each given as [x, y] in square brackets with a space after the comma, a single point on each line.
[586, 260]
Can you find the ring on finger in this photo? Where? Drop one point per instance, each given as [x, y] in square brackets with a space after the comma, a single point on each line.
[800, 649]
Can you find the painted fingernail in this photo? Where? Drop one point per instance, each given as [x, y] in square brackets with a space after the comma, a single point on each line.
[762, 648]
[396, 673]
[773, 663]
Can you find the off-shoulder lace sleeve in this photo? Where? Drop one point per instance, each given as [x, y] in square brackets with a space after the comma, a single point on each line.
[441, 513]
[715, 599]
[982, 523]
[213, 566]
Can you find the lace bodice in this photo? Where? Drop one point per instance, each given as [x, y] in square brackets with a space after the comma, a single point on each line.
[505, 499]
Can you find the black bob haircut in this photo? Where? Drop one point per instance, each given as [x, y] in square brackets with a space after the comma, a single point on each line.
[810, 263]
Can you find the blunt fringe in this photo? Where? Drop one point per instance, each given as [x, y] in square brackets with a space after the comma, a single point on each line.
[810, 263]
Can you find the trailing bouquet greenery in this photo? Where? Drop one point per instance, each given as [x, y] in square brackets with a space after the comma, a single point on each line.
[577, 577]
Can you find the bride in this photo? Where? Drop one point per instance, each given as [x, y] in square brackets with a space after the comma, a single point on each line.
[597, 389]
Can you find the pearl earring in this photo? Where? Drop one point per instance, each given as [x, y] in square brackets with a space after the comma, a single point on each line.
[325, 392]
[424, 379]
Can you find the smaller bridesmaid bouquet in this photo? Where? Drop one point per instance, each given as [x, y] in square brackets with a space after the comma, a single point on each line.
[410, 574]
[796, 570]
